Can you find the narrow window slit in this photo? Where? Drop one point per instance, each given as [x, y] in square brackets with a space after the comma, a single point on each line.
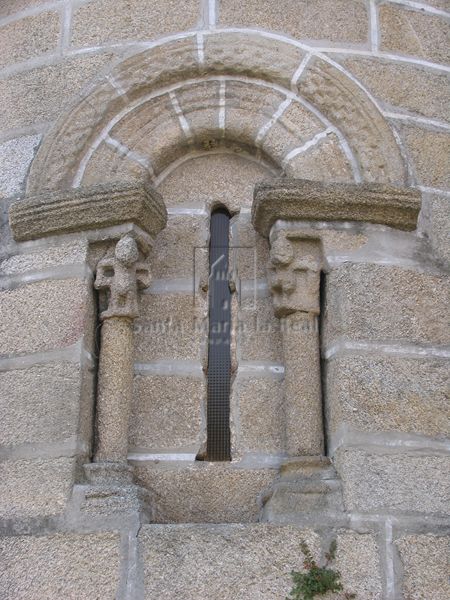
[218, 447]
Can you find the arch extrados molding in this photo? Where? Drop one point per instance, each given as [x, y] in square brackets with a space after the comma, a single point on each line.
[265, 64]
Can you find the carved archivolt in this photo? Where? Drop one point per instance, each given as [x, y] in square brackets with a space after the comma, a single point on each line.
[248, 91]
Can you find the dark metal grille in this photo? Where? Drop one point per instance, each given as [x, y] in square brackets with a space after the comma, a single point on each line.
[219, 359]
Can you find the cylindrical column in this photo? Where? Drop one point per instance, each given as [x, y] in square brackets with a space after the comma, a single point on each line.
[303, 397]
[115, 389]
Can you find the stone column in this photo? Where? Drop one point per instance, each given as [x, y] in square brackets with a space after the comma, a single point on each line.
[294, 280]
[121, 276]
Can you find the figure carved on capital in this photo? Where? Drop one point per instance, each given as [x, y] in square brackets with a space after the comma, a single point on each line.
[123, 275]
[294, 274]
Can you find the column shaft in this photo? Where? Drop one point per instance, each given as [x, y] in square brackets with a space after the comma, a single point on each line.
[303, 396]
[115, 389]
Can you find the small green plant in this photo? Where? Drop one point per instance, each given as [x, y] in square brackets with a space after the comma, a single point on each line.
[317, 580]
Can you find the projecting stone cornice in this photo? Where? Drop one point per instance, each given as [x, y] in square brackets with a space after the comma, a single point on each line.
[304, 200]
[87, 208]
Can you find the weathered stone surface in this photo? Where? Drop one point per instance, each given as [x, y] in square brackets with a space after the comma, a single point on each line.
[171, 326]
[167, 413]
[40, 404]
[304, 200]
[215, 179]
[249, 252]
[413, 32]
[296, 126]
[350, 109]
[389, 394]
[15, 158]
[44, 315]
[199, 103]
[88, 208]
[404, 86]
[9, 8]
[439, 227]
[203, 492]
[157, 67]
[153, 131]
[69, 565]
[391, 481]
[32, 488]
[325, 161]
[29, 37]
[261, 415]
[109, 165]
[110, 20]
[358, 561]
[386, 304]
[425, 566]
[259, 336]
[237, 562]
[429, 152]
[331, 20]
[40, 94]
[248, 108]
[247, 54]
[45, 258]
[189, 233]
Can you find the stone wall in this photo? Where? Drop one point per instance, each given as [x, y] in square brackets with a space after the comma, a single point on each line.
[204, 99]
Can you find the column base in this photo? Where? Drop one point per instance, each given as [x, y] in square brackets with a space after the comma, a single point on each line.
[307, 491]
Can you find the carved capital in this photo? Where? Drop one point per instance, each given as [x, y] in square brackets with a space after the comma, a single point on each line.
[122, 275]
[294, 274]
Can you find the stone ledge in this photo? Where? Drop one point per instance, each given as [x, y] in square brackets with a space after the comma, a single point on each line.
[304, 200]
[95, 207]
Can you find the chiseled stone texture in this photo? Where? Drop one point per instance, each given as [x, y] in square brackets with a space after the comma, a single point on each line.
[357, 559]
[214, 179]
[404, 86]
[429, 153]
[63, 565]
[425, 566]
[15, 158]
[331, 20]
[391, 481]
[40, 94]
[40, 404]
[103, 21]
[171, 326]
[386, 304]
[44, 315]
[325, 161]
[69, 253]
[247, 54]
[293, 129]
[204, 492]
[29, 37]
[389, 394]
[167, 412]
[35, 487]
[233, 562]
[413, 32]
[261, 415]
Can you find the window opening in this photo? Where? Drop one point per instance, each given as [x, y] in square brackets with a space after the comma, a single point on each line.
[219, 356]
